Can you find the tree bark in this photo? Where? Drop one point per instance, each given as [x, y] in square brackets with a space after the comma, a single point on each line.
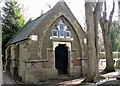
[97, 11]
[90, 42]
[105, 26]
[92, 20]
[108, 52]
[1, 70]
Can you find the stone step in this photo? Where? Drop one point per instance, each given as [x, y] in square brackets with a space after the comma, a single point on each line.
[63, 77]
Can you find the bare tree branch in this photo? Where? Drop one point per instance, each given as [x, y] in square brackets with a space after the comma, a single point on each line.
[111, 16]
[94, 4]
[98, 8]
[111, 13]
[105, 9]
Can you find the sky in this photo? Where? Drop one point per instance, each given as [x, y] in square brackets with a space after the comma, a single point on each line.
[32, 8]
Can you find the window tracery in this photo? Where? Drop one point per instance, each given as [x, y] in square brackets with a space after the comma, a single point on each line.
[61, 31]
[68, 32]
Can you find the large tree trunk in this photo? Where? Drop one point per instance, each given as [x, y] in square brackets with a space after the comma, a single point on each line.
[108, 52]
[96, 42]
[1, 73]
[105, 26]
[97, 11]
[90, 42]
[92, 19]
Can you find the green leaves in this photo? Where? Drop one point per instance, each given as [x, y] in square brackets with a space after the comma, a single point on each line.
[115, 31]
[12, 21]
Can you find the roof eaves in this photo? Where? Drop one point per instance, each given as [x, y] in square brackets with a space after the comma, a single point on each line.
[18, 41]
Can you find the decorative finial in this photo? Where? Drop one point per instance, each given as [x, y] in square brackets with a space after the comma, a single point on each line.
[61, 0]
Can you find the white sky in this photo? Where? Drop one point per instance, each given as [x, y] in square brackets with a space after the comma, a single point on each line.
[32, 8]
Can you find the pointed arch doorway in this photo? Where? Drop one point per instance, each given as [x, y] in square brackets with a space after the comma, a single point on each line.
[61, 59]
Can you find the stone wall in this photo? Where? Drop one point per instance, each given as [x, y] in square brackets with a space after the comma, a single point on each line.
[115, 55]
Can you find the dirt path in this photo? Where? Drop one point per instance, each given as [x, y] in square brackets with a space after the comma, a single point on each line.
[72, 82]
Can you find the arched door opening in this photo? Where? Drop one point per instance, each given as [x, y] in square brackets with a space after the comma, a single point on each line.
[61, 59]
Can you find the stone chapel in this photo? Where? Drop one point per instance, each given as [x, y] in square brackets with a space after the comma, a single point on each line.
[47, 47]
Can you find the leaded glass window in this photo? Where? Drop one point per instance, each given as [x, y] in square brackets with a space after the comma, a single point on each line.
[68, 32]
[61, 24]
[55, 31]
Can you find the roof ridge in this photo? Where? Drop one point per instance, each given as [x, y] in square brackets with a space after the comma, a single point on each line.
[28, 24]
[31, 25]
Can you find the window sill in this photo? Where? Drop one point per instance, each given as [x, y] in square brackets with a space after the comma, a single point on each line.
[61, 39]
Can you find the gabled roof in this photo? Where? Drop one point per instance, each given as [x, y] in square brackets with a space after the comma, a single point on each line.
[25, 32]
[30, 26]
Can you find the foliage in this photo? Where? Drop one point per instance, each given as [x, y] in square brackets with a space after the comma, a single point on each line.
[115, 31]
[12, 22]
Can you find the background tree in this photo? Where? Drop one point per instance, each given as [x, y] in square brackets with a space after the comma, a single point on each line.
[115, 35]
[12, 22]
[105, 26]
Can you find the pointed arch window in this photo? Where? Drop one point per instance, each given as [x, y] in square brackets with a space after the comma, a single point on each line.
[61, 24]
[55, 31]
[68, 32]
